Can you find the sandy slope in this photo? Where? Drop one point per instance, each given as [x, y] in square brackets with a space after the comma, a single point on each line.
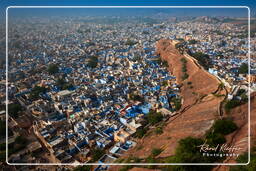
[198, 112]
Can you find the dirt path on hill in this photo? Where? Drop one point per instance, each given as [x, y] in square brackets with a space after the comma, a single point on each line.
[199, 109]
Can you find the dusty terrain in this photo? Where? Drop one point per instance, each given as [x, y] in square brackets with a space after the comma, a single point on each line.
[240, 137]
[199, 110]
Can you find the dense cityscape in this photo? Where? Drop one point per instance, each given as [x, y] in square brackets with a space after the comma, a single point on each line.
[86, 89]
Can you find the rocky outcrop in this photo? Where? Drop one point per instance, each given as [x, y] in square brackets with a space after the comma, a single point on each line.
[199, 109]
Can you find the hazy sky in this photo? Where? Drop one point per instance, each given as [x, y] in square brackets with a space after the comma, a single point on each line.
[213, 12]
[29, 12]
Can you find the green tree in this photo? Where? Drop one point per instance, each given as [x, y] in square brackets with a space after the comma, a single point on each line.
[93, 61]
[240, 92]
[193, 41]
[183, 60]
[97, 153]
[165, 83]
[14, 109]
[177, 103]
[159, 130]
[213, 139]
[83, 168]
[156, 151]
[140, 132]
[203, 59]
[185, 76]
[165, 63]
[2, 156]
[136, 97]
[224, 126]
[2, 128]
[63, 85]
[151, 159]
[243, 69]
[188, 151]
[184, 68]
[154, 117]
[53, 68]
[34, 94]
[20, 143]
[232, 104]
[130, 42]
[21, 140]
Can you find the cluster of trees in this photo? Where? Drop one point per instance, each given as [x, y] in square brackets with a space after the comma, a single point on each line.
[20, 143]
[243, 69]
[177, 103]
[240, 92]
[184, 68]
[220, 128]
[185, 76]
[83, 168]
[137, 58]
[165, 63]
[203, 59]
[14, 109]
[36, 91]
[230, 104]
[2, 129]
[129, 160]
[224, 126]
[136, 97]
[188, 150]
[154, 117]
[180, 46]
[53, 69]
[152, 157]
[130, 42]
[159, 130]
[2, 152]
[165, 83]
[140, 132]
[97, 153]
[151, 118]
[93, 61]
[190, 84]
[156, 151]
[192, 41]
[63, 85]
